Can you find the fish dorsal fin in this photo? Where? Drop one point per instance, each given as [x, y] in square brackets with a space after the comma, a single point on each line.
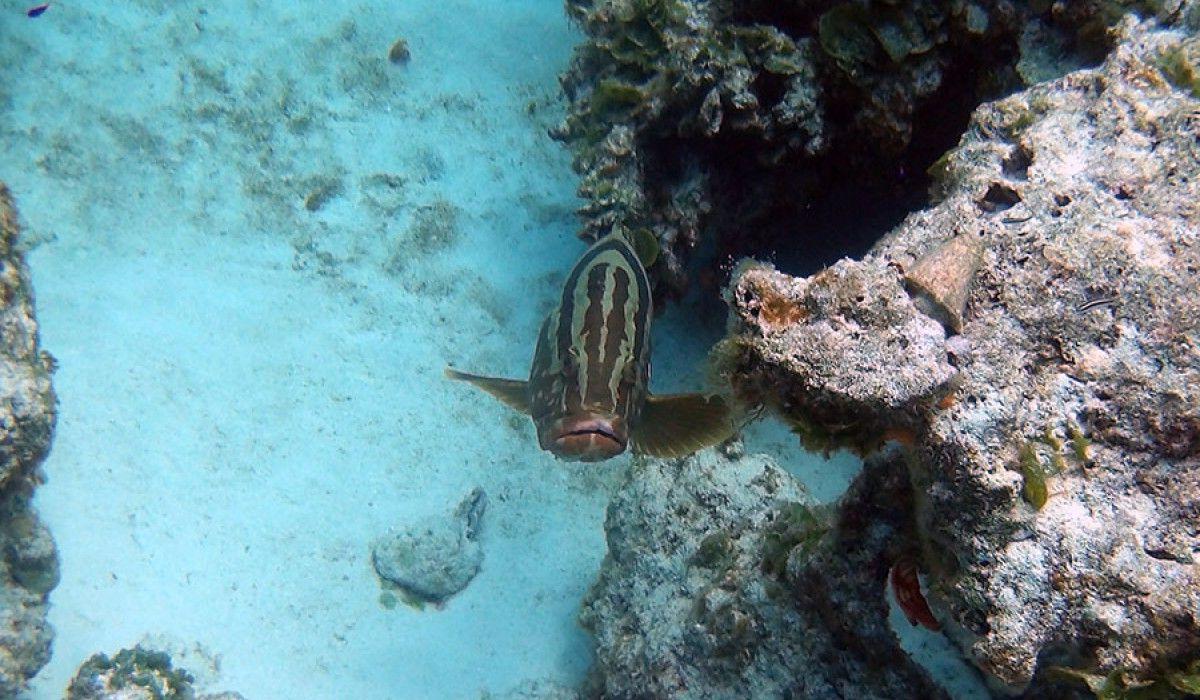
[512, 392]
[679, 424]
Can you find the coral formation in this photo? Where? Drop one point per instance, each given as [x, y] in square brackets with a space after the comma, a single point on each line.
[431, 560]
[758, 125]
[722, 581]
[724, 119]
[1057, 472]
[29, 561]
[136, 674]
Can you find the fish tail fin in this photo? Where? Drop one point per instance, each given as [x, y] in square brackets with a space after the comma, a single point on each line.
[676, 425]
[513, 393]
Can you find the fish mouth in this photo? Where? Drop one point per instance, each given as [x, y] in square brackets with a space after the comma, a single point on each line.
[589, 440]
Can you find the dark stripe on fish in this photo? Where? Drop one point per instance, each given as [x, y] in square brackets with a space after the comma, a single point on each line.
[594, 372]
[601, 330]
[618, 337]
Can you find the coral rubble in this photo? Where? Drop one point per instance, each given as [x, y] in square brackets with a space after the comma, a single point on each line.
[30, 561]
[431, 560]
[722, 580]
[1056, 473]
[136, 674]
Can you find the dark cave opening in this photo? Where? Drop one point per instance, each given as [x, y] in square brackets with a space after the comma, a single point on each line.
[804, 213]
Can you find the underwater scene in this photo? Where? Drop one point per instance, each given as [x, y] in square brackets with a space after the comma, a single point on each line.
[543, 350]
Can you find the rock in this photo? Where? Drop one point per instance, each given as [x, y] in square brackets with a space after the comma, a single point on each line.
[845, 353]
[722, 581]
[437, 557]
[1077, 358]
[941, 280]
[29, 559]
[136, 674]
[399, 53]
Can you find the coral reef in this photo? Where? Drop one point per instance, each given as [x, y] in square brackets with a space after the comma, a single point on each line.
[846, 349]
[30, 561]
[722, 580]
[431, 560]
[760, 125]
[136, 674]
[1056, 474]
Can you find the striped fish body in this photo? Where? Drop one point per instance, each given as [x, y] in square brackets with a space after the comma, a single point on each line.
[592, 363]
[587, 390]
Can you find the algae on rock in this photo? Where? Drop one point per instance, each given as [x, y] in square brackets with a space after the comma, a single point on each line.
[136, 674]
[434, 558]
[1079, 326]
[722, 581]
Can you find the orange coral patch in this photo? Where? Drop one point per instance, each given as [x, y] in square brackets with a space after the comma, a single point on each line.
[904, 436]
[776, 310]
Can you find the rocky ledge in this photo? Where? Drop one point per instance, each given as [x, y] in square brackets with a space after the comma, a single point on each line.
[723, 580]
[716, 125]
[29, 560]
[1033, 341]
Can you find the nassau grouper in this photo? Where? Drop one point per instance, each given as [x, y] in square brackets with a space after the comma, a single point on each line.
[588, 388]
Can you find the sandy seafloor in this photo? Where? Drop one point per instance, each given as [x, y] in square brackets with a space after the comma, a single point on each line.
[250, 391]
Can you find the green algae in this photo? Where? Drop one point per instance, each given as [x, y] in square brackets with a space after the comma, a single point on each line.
[1109, 687]
[767, 46]
[844, 33]
[715, 552]
[940, 167]
[1079, 443]
[1034, 490]
[1186, 682]
[645, 244]
[140, 671]
[900, 34]
[795, 526]
[638, 35]
[1122, 684]
[1051, 439]
[1181, 68]
[1023, 121]
[613, 96]
[1055, 443]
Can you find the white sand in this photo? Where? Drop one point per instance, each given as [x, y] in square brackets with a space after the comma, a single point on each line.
[234, 431]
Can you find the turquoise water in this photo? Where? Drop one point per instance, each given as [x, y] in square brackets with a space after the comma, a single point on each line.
[255, 243]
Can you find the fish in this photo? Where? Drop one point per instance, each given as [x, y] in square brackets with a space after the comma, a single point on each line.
[37, 10]
[587, 391]
[907, 588]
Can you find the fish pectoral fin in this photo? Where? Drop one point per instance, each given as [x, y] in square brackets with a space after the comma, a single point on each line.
[676, 425]
[512, 392]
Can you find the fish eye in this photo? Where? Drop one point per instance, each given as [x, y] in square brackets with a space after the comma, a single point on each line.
[571, 361]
